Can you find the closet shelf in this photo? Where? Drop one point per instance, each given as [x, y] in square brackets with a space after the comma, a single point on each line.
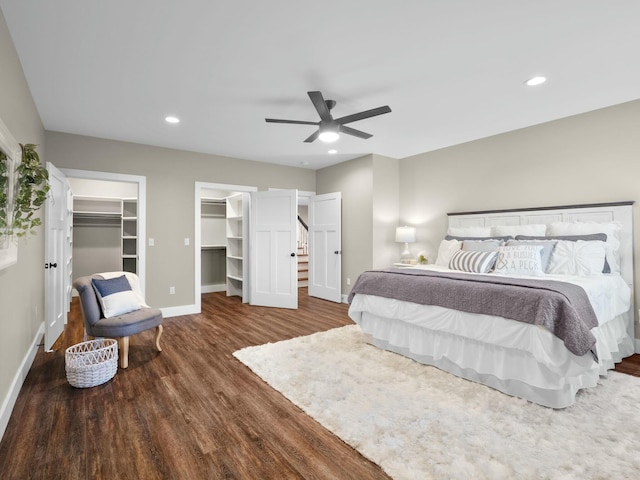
[213, 247]
[87, 214]
[234, 257]
[235, 277]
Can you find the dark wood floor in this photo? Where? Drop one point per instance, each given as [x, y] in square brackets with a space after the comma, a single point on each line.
[190, 412]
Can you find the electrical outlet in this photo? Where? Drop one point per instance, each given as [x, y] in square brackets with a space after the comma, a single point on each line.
[348, 281]
[172, 290]
[186, 242]
[151, 242]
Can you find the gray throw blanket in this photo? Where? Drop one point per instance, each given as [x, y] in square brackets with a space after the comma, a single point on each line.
[562, 308]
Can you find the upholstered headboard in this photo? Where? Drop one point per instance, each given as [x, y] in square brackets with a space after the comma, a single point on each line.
[619, 212]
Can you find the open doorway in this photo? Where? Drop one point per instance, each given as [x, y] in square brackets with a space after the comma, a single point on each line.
[109, 223]
[221, 239]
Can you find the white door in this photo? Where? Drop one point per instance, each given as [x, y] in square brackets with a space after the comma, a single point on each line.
[55, 288]
[325, 247]
[273, 262]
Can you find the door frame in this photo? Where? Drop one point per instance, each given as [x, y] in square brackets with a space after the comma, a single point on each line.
[142, 208]
[199, 186]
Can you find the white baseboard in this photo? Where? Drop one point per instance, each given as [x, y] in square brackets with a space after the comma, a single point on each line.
[344, 298]
[179, 310]
[637, 342]
[221, 287]
[12, 395]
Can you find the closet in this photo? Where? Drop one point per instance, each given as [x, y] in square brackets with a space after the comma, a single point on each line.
[237, 244]
[213, 245]
[223, 241]
[105, 226]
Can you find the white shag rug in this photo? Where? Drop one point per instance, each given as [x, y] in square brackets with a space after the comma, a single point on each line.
[418, 422]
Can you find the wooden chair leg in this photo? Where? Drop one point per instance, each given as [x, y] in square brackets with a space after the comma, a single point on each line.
[123, 346]
[159, 330]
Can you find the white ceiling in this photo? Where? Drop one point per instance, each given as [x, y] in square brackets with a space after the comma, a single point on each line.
[451, 71]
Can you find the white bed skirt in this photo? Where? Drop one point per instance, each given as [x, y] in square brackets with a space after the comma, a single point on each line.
[516, 358]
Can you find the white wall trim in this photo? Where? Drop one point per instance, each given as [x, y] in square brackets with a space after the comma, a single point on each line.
[220, 287]
[12, 395]
[180, 310]
[637, 345]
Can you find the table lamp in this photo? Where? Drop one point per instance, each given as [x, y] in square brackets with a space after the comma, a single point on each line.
[406, 235]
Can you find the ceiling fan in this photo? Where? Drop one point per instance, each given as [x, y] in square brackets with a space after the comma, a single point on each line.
[329, 129]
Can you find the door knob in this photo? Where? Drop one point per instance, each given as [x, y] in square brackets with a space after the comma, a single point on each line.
[51, 265]
[293, 254]
[337, 252]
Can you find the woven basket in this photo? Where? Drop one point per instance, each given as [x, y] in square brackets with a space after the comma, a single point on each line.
[91, 363]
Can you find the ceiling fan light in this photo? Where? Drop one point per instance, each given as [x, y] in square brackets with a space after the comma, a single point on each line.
[329, 136]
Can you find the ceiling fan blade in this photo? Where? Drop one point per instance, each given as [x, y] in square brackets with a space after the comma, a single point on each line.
[362, 115]
[321, 105]
[354, 132]
[297, 122]
[312, 137]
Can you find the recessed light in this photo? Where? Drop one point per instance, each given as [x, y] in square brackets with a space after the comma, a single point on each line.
[532, 82]
[172, 119]
[332, 151]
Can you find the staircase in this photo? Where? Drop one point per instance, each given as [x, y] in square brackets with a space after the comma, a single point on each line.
[303, 253]
[303, 266]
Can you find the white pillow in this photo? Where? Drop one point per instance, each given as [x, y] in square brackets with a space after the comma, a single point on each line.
[469, 231]
[115, 295]
[612, 230]
[446, 250]
[538, 230]
[577, 258]
[520, 260]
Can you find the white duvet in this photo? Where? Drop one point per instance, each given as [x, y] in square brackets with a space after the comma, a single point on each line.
[514, 357]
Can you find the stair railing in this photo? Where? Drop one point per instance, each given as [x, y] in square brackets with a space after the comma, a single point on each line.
[303, 236]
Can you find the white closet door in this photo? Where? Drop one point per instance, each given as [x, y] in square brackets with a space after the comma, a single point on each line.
[273, 261]
[55, 290]
[325, 247]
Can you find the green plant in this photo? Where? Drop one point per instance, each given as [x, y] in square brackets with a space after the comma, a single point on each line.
[30, 192]
[4, 191]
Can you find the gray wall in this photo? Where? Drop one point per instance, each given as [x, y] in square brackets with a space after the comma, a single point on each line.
[21, 285]
[369, 187]
[171, 176]
[588, 158]
[354, 179]
[386, 211]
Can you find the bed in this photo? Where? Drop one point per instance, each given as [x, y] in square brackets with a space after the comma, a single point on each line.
[536, 303]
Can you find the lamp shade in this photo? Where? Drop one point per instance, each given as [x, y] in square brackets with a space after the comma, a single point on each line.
[405, 234]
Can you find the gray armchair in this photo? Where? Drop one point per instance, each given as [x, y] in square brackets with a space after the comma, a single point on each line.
[120, 326]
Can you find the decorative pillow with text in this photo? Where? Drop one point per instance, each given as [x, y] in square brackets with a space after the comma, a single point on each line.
[519, 260]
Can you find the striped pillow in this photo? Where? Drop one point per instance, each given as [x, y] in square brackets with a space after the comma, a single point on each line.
[469, 261]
